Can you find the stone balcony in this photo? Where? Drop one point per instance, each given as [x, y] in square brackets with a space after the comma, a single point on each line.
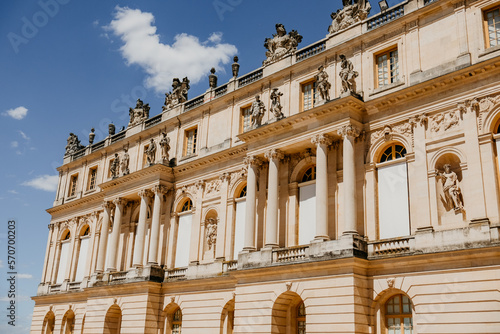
[425, 241]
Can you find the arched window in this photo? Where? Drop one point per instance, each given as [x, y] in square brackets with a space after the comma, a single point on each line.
[48, 323]
[393, 152]
[307, 206]
[398, 315]
[393, 198]
[309, 174]
[64, 256]
[113, 320]
[68, 323]
[83, 248]
[243, 192]
[288, 314]
[187, 206]
[227, 318]
[301, 318]
[177, 322]
[183, 239]
[239, 219]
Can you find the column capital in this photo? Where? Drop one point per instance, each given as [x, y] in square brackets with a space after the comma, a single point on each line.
[144, 193]
[106, 205]
[420, 119]
[225, 177]
[322, 139]
[252, 160]
[274, 154]
[349, 131]
[468, 106]
[159, 189]
[119, 201]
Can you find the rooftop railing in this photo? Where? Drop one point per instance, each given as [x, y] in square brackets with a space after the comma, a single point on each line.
[387, 16]
[119, 136]
[219, 91]
[193, 103]
[250, 77]
[152, 121]
[311, 50]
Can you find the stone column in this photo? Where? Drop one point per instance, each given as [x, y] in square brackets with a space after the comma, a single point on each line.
[222, 228]
[322, 142]
[158, 191]
[349, 134]
[47, 252]
[474, 195]
[52, 256]
[103, 242]
[55, 264]
[271, 238]
[141, 228]
[253, 164]
[115, 234]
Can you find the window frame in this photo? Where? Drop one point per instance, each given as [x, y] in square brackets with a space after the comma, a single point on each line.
[242, 118]
[401, 315]
[187, 131]
[176, 322]
[387, 52]
[392, 146]
[89, 180]
[73, 185]
[487, 40]
[313, 91]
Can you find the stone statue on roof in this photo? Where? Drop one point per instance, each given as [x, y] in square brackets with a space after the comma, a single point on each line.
[178, 95]
[354, 11]
[138, 114]
[281, 44]
[73, 144]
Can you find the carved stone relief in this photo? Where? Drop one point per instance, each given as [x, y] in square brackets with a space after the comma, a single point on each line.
[139, 113]
[212, 188]
[444, 121]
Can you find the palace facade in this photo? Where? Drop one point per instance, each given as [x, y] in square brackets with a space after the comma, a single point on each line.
[349, 186]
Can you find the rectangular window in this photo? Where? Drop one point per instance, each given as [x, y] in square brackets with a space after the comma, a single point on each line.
[387, 67]
[492, 25]
[308, 95]
[190, 138]
[72, 185]
[245, 119]
[92, 178]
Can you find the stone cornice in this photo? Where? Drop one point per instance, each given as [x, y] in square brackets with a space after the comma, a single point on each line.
[345, 104]
[157, 169]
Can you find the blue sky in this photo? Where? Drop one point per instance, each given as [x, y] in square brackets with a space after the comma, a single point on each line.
[70, 65]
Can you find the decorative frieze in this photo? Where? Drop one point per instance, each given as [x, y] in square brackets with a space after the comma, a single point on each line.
[213, 187]
[444, 121]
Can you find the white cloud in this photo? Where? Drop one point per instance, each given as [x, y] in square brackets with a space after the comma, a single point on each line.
[186, 56]
[44, 182]
[16, 113]
[13, 192]
[24, 276]
[24, 135]
[14, 144]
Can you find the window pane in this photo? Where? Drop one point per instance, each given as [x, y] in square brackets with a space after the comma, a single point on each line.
[307, 96]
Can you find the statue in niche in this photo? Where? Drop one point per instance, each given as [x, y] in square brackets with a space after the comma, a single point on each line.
[276, 104]
[211, 232]
[257, 110]
[322, 84]
[235, 67]
[111, 129]
[165, 147]
[354, 11]
[151, 152]
[91, 136]
[451, 188]
[178, 95]
[124, 162]
[212, 78]
[113, 168]
[139, 113]
[281, 44]
[73, 144]
[347, 75]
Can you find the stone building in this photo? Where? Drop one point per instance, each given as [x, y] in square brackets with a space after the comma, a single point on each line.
[349, 186]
